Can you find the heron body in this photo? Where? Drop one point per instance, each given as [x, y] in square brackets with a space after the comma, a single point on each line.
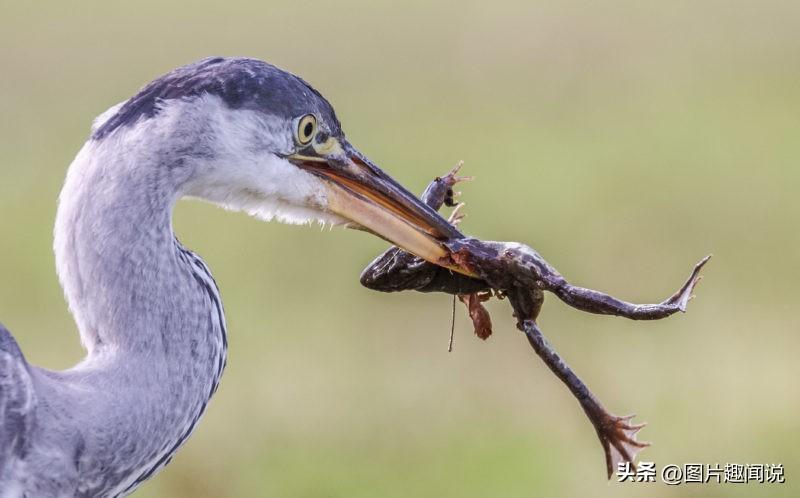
[235, 132]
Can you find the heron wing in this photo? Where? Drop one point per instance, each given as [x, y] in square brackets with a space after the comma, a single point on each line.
[17, 402]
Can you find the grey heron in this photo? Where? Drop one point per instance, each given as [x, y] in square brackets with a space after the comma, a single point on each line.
[233, 131]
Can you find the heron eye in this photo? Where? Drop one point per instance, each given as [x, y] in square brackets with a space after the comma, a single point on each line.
[306, 129]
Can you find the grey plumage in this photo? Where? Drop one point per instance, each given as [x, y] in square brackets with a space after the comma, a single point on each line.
[148, 311]
[241, 83]
[17, 400]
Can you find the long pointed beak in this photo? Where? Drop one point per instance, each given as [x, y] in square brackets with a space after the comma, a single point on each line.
[361, 192]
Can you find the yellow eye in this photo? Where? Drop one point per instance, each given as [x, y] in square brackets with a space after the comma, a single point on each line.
[306, 129]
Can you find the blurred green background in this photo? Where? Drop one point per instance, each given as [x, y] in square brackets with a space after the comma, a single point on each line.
[624, 140]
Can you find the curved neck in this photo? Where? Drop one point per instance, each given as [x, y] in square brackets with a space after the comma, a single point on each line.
[129, 284]
[148, 312]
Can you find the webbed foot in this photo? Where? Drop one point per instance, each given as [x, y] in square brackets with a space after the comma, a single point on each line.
[618, 437]
[684, 294]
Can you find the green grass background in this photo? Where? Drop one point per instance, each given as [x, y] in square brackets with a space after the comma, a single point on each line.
[624, 140]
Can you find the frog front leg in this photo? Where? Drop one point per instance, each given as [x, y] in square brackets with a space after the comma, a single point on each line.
[397, 270]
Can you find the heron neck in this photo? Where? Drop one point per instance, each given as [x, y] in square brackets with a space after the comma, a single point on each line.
[125, 278]
[148, 314]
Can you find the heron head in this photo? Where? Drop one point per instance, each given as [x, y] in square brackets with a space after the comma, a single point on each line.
[255, 138]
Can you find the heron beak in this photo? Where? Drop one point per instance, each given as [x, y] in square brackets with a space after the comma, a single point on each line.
[359, 191]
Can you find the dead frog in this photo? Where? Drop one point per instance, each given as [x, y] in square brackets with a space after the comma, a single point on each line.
[517, 272]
